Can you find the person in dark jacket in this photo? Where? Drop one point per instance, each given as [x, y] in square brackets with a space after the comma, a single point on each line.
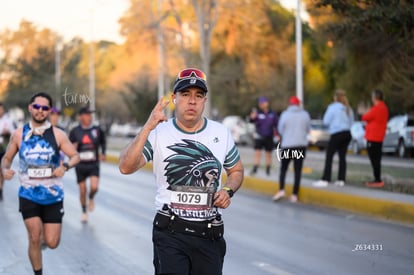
[87, 139]
[265, 121]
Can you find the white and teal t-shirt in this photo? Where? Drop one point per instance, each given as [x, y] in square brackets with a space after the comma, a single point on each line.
[188, 166]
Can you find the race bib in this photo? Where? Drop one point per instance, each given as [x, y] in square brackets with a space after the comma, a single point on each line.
[192, 197]
[87, 156]
[39, 172]
[189, 198]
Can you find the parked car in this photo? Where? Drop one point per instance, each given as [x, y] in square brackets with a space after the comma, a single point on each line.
[241, 130]
[318, 135]
[119, 130]
[399, 137]
[358, 141]
[133, 130]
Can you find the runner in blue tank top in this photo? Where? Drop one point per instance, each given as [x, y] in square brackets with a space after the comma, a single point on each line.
[40, 173]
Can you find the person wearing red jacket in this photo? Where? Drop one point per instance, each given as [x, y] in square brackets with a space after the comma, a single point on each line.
[376, 119]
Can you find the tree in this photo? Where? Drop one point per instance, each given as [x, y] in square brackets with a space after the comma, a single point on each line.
[140, 97]
[247, 46]
[28, 63]
[373, 43]
[31, 76]
[206, 13]
[253, 55]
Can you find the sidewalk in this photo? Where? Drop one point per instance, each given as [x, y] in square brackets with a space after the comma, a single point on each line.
[372, 202]
[381, 204]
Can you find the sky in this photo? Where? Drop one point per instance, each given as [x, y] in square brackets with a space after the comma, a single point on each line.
[89, 19]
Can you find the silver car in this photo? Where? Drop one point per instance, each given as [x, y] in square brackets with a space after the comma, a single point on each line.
[318, 135]
[240, 129]
[399, 137]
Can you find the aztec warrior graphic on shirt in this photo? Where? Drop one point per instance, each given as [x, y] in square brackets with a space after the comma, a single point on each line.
[39, 156]
[191, 166]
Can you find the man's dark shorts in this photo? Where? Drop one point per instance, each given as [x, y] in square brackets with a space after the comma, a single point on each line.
[265, 143]
[51, 213]
[86, 170]
[177, 253]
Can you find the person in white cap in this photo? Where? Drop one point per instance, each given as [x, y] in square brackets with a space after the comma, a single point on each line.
[189, 154]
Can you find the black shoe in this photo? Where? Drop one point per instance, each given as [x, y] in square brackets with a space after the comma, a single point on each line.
[268, 170]
[254, 170]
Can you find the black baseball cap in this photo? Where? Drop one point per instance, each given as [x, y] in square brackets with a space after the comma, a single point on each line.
[85, 110]
[190, 77]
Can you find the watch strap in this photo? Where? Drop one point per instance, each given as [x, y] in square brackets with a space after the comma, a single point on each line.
[229, 191]
[66, 165]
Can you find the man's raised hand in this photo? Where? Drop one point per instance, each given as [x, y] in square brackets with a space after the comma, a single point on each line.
[157, 115]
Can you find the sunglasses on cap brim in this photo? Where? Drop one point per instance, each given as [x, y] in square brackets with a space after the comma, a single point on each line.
[187, 73]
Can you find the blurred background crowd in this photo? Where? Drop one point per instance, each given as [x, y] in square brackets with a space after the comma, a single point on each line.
[247, 49]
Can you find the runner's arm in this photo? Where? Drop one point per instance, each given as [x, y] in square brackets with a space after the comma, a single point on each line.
[235, 176]
[132, 158]
[103, 141]
[67, 147]
[11, 151]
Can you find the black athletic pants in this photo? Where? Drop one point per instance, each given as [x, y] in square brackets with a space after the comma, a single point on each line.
[298, 155]
[337, 143]
[375, 153]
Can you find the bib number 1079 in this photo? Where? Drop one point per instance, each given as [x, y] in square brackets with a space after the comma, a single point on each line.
[189, 198]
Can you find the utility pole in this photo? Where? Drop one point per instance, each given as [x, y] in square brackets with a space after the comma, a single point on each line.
[57, 71]
[299, 66]
[161, 56]
[92, 69]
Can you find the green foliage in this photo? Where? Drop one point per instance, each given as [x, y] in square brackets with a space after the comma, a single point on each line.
[373, 47]
[140, 97]
[30, 77]
[227, 83]
[252, 54]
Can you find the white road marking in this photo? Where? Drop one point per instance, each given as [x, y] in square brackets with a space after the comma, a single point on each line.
[271, 269]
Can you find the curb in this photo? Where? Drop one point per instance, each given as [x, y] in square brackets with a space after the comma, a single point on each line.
[376, 207]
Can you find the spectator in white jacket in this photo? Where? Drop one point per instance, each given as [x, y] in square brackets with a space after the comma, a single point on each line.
[339, 118]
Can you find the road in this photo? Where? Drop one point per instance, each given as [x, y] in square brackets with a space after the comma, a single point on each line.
[262, 237]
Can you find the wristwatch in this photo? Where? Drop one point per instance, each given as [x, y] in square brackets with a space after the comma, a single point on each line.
[229, 191]
[66, 165]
